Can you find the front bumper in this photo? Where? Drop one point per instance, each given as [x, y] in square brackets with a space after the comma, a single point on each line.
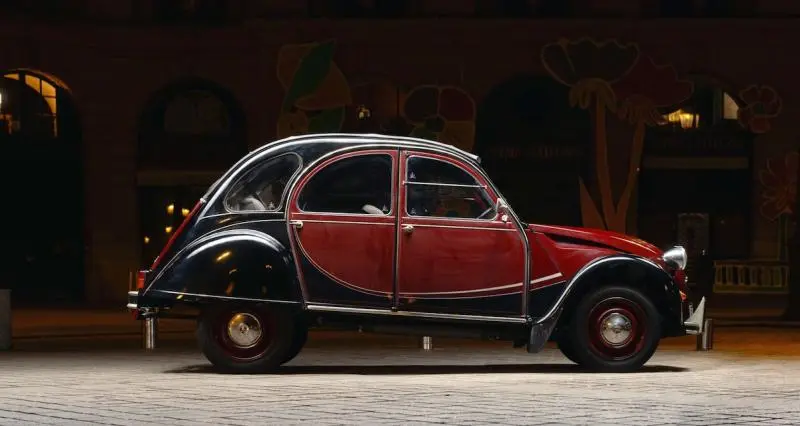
[695, 324]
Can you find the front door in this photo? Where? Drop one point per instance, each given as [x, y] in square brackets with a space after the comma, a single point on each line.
[342, 226]
[456, 254]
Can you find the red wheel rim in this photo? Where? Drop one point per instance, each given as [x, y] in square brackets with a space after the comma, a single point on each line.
[244, 334]
[617, 328]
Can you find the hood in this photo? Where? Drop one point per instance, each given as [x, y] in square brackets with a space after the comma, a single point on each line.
[615, 240]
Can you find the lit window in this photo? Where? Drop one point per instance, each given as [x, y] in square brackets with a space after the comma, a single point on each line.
[683, 118]
[45, 90]
[730, 109]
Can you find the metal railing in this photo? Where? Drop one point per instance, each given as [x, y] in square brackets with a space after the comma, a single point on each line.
[751, 276]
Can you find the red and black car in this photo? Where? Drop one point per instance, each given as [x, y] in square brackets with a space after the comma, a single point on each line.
[402, 235]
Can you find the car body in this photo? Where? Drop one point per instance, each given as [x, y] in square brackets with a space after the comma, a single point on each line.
[402, 235]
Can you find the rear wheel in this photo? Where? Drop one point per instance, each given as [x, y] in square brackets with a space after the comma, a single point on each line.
[615, 329]
[246, 339]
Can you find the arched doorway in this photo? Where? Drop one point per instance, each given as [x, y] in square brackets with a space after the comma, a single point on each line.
[533, 145]
[43, 214]
[189, 133]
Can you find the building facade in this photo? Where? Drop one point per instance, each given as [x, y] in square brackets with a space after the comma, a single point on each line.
[677, 126]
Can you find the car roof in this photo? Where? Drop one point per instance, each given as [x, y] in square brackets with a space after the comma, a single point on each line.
[368, 138]
[286, 145]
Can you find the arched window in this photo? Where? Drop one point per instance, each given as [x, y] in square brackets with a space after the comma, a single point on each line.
[191, 126]
[30, 107]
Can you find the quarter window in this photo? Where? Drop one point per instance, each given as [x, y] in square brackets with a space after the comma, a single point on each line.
[262, 188]
[354, 185]
[440, 189]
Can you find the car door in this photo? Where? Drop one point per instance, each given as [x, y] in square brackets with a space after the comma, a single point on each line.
[342, 222]
[455, 253]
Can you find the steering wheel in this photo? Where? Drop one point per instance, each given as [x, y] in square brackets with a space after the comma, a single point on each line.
[486, 213]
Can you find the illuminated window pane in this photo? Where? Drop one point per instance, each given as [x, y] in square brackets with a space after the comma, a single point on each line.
[730, 108]
[34, 82]
[12, 76]
[48, 90]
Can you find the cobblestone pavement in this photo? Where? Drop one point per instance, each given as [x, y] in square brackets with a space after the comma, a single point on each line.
[381, 384]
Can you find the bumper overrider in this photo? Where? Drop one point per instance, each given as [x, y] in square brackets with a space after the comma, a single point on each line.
[677, 258]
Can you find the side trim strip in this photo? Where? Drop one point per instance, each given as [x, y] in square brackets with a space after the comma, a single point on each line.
[429, 315]
[211, 296]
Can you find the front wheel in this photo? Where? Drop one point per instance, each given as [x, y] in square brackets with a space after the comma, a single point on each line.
[614, 329]
[246, 339]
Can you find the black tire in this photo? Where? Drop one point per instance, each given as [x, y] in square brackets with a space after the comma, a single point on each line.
[567, 348]
[298, 342]
[269, 348]
[621, 306]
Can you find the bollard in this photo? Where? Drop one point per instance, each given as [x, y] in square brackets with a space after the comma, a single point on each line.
[705, 340]
[426, 343]
[149, 332]
[5, 319]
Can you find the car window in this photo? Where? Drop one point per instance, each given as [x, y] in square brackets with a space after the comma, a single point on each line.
[262, 187]
[441, 189]
[354, 185]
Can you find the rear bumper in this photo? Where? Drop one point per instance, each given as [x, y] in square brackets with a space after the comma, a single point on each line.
[133, 300]
[695, 324]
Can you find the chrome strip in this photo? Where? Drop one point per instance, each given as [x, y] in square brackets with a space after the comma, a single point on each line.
[348, 222]
[482, 228]
[430, 315]
[211, 296]
[481, 290]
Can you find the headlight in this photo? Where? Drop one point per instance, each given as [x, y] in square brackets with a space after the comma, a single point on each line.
[675, 257]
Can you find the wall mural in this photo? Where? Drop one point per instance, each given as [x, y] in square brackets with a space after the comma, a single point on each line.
[441, 113]
[612, 76]
[761, 103]
[316, 91]
[779, 194]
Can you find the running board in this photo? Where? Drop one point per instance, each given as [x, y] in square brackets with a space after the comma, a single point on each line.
[412, 314]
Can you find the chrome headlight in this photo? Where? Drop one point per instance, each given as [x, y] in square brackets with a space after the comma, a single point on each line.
[675, 257]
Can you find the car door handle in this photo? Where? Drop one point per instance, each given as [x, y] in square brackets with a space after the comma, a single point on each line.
[408, 229]
[297, 224]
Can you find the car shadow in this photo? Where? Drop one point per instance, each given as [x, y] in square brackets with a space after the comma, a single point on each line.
[388, 370]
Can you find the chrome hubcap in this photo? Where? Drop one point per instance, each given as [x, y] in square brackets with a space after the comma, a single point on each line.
[615, 329]
[244, 330]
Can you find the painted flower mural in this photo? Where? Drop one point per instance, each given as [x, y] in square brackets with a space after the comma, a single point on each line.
[644, 89]
[442, 113]
[761, 103]
[317, 92]
[590, 68]
[779, 194]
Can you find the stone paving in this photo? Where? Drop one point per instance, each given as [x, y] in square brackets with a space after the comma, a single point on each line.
[389, 383]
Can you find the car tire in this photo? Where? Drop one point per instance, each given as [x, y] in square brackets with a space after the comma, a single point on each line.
[614, 329]
[246, 338]
[298, 342]
[568, 349]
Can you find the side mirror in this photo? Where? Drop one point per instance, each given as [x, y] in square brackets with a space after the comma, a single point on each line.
[502, 209]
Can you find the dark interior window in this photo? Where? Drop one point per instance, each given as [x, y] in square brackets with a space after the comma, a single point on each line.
[355, 185]
[440, 189]
[262, 188]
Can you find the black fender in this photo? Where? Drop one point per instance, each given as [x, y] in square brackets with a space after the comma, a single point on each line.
[625, 270]
[237, 264]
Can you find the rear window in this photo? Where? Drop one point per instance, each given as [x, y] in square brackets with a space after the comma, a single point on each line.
[261, 188]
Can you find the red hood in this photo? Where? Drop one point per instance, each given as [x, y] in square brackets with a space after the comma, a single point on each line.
[621, 242]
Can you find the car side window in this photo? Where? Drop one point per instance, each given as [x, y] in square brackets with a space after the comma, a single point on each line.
[437, 188]
[261, 188]
[355, 185]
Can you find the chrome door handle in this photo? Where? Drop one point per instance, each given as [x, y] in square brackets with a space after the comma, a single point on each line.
[297, 224]
[408, 229]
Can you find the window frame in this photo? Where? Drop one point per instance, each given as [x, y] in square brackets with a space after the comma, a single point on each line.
[478, 184]
[392, 187]
[281, 205]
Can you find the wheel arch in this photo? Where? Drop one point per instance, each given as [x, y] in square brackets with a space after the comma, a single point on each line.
[234, 265]
[626, 271]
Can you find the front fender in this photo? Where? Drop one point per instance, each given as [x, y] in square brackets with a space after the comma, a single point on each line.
[637, 272]
[234, 264]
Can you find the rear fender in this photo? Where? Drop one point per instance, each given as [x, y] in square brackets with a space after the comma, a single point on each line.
[622, 270]
[235, 264]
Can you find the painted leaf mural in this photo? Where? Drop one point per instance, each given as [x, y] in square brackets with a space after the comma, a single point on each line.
[442, 113]
[590, 68]
[761, 103]
[316, 89]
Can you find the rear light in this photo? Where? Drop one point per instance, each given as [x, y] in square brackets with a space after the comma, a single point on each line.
[140, 280]
[175, 235]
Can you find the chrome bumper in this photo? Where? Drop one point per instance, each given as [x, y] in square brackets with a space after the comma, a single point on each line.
[696, 321]
[133, 300]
